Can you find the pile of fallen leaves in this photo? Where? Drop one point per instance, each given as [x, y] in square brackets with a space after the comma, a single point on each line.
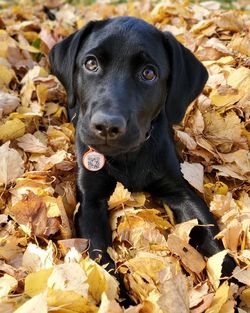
[42, 267]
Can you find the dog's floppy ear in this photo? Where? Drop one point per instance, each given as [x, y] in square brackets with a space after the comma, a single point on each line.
[62, 59]
[187, 78]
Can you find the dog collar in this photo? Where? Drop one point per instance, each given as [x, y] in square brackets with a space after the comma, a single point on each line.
[93, 160]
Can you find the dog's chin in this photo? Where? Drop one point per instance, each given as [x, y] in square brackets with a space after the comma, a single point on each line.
[112, 151]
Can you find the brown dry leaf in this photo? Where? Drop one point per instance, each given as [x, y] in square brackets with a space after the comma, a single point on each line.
[190, 257]
[29, 143]
[30, 214]
[194, 174]
[11, 164]
[221, 129]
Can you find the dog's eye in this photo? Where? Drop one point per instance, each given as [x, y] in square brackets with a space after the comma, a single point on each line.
[91, 64]
[149, 74]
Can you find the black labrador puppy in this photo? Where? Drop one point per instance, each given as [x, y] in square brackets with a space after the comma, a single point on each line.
[127, 83]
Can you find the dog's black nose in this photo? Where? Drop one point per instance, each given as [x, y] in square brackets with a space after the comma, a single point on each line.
[108, 126]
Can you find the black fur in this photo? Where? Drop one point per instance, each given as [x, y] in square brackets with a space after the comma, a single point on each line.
[141, 155]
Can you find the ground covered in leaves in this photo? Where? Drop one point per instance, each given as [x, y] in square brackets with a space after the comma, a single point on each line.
[42, 268]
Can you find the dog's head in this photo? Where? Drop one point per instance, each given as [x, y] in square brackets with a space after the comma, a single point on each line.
[119, 74]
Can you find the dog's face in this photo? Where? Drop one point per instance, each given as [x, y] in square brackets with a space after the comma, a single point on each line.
[120, 74]
[121, 86]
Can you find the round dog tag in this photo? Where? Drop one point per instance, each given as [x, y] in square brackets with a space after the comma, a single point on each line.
[93, 160]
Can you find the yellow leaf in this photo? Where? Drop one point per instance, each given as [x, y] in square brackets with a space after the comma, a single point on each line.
[96, 281]
[138, 200]
[219, 299]
[214, 268]
[211, 189]
[71, 301]
[11, 130]
[120, 196]
[7, 74]
[42, 93]
[36, 282]
[169, 213]
[108, 283]
[152, 216]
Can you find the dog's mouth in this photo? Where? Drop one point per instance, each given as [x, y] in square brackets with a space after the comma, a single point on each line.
[110, 150]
